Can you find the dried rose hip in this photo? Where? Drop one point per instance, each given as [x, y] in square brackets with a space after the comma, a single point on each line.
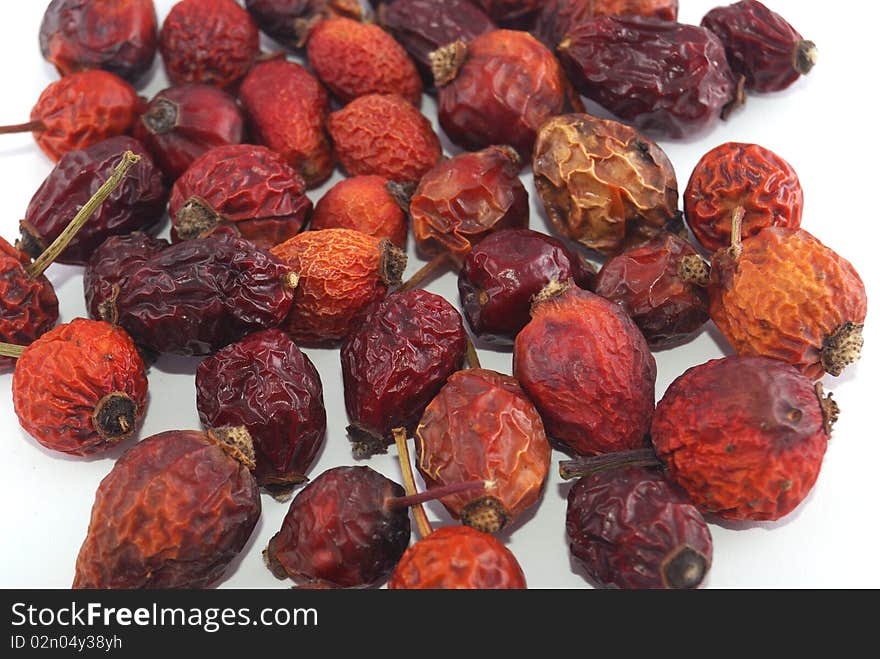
[385, 136]
[210, 41]
[195, 503]
[497, 89]
[288, 21]
[480, 562]
[287, 109]
[115, 35]
[80, 388]
[341, 274]
[80, 110]
[630, 528]
[559, 16]
[747, 176]
[588, 369]
[395, 362]
[761, 45]
[664, 9]
[370, 204]
[510, 10]
[248, 188]
[181, 123]
[355, 59]
[603, 183]
[668, 78]
[661, 286]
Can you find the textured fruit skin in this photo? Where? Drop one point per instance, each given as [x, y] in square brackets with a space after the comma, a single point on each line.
[181, 123]
[191, 298]
[748, 176]
[339, 531]
[668, 78]
[138, 204]
[505, 271]
[287, 111]
[559, 16]
[510, 10]
[744, 437]
[396, 361]
[209, 41]
[647, 283]
[119, 36]
[784, 297]
[603, 184]
[61, 377]
[355, 59]
[245, 187]
[365, 204]
[478, 562]
[383, 135]
[266, 384]
[83, 109]
[589, 371]
[287, 21]
[195, 508]
[340, 277]
[507, 87]
[623, 525]
[481, 426]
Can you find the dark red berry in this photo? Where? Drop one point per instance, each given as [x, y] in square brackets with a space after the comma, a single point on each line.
[288, 21]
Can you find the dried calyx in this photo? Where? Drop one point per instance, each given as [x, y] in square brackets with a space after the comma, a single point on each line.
[446, 61]
[551, 291]
[161, 118]
[684, 568]
[830, 409]
[804, 56]
[694, 270]
[392, 262]
[196, 218]
[842, 348]
[236, 442]
[115, 417]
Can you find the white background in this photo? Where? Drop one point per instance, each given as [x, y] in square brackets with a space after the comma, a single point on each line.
[824, 126]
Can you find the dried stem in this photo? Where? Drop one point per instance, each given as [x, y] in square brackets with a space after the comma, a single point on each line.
[34, 126]
[409, 482]
[427, 271]
[11, 350]
[473, 359]
[644, 457]
[736, 224]
[435, 493]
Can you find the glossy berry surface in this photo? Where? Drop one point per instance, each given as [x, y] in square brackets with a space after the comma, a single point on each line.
[369, 204]
[288, 21]
[557, 17]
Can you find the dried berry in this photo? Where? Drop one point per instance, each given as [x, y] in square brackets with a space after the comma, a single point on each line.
[266, 384]
[355, 59]
[248, 188]
[663, 9]
[210, 41]
[395, 362]
[80, 388]
[119, 36]
[559, 16]
[630, 528]
[480, 562]
[182, 123]
[588, 369]
[341, 274]
[287, 109]
[370, 204]
[602, 183]
[288, 21]
[195, 503]
[510, 10]
[761, 45]
[385, 136]
[498, 89]
[668, 78]
[661, 286]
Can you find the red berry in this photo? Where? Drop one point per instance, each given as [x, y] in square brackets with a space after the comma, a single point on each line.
[369, 204]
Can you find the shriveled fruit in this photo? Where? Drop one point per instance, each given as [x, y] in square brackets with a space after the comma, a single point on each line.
[603, 184]
[559, 16]
[370, 204]
[510, 10]
[195, 502]
[288, 21]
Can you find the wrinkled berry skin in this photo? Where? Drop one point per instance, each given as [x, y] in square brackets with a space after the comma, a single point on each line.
[138, 204]
[655, 287]
[355, 59]
[181, 123]
[743, 436]
[747, 176]
[247, 188]
[191, 298]
[395, 362]
[481, 426]
[369, 204]
[761, 45]
[510, 10]
[589, 371]
[630, 528]
[119, 36]
[287, 111]
[287, 21]
[603, 183]
[80, 388]
[507, 86]
[340, 532]
[667, 78]
[383, 135]
[463, 199]
[505, 271]
[559, 16]
[209, 41]
[481, 562]
[195, 507]
[266, 384]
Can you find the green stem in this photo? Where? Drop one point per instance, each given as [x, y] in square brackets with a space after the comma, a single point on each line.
[11, 350]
